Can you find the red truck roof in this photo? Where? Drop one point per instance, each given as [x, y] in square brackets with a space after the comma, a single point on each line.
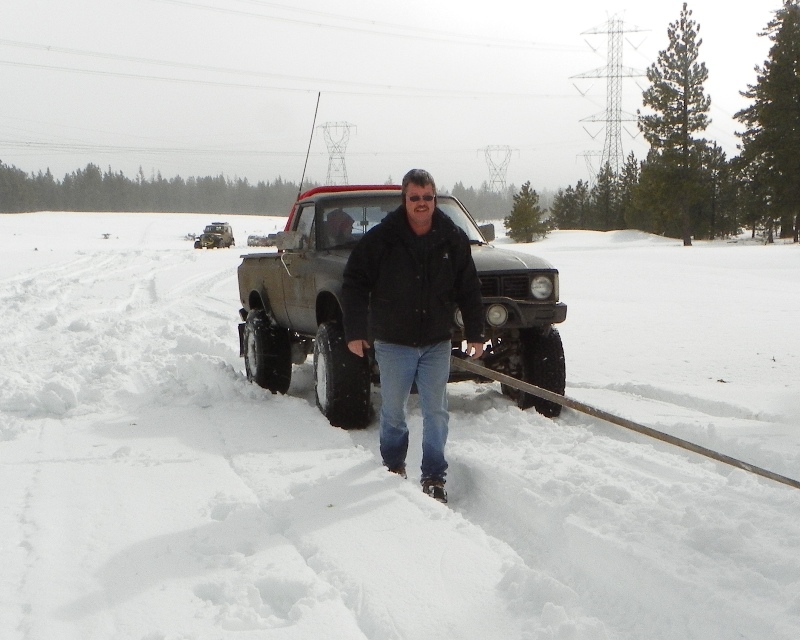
[338, 188]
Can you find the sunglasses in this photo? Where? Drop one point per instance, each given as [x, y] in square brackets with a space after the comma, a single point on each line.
[418, 198]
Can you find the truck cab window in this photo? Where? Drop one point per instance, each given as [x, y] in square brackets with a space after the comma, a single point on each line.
[305, 226]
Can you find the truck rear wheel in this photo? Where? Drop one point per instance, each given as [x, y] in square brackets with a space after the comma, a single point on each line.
[341, 379]
[543, 365]
[267, 352]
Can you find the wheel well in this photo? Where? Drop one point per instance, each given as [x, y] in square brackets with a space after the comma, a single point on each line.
[327, 308]
[259, 300]
[255, 301]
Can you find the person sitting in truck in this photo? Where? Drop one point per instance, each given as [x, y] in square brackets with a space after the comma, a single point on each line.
[338, 227]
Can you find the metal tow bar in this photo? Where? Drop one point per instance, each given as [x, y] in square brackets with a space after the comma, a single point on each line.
[471, 366]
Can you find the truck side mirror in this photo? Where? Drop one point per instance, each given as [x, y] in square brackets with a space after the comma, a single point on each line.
[487, 231]
[289, 240]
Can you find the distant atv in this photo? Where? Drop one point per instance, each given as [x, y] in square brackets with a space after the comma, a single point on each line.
[217, 235]
[291, 305]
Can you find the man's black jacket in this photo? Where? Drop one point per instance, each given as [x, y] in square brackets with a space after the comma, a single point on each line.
[403, 289]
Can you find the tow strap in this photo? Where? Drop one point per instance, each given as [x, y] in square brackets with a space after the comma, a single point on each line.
[484, 372]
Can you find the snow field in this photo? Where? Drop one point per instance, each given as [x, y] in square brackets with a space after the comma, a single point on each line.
[151, 493]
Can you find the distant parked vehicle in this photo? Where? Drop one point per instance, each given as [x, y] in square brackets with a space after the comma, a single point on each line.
[262, 241]
[217, 235]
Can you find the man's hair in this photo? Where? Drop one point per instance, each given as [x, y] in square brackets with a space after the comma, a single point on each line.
[419, 177]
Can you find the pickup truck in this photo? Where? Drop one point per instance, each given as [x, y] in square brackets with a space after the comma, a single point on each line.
[291, 305]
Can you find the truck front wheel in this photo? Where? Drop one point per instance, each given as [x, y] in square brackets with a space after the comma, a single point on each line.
[543, 365]
[267, 352]
[341, 379]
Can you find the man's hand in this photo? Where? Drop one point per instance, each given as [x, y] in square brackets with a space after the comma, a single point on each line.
[359, 346]
[474, 350]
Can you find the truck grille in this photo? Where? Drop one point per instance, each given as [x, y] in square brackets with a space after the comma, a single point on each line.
[511, 286]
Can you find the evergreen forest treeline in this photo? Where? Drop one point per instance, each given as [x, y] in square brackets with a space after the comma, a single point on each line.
[92, 189]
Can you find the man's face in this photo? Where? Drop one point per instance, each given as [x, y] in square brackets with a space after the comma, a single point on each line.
[418, 209]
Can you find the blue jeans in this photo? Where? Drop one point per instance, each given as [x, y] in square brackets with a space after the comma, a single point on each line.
[400, 366]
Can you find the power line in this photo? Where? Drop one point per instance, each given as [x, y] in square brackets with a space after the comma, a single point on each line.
[142, 76]
[366, 88]
[374, 27]
[69, 147]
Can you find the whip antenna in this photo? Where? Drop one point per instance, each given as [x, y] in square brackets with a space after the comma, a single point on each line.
[308, 152]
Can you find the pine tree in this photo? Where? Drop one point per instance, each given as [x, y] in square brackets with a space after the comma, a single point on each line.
[606, 213]
[16, 194]
[628, 182]
[46, 192]
[720, 217]
[524, 223]
[562, 211]
[677, 97]
[771, 143]
[571, 206]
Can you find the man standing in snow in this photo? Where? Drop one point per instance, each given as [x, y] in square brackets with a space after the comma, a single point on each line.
[401, 287]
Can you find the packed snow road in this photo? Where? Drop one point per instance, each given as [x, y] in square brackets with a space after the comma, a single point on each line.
[150, 492]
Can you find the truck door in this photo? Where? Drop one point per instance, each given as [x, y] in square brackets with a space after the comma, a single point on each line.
[299, 287]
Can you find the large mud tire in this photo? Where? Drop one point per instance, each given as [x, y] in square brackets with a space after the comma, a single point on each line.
[267, 352]
[543, 365]
[341, 379]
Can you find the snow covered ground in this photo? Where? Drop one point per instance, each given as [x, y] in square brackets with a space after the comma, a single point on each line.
[150, 493]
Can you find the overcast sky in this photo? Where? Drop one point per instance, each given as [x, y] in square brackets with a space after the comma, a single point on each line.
[203, 87]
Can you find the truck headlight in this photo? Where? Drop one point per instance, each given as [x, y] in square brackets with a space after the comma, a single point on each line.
[496, 315]
[541, 287]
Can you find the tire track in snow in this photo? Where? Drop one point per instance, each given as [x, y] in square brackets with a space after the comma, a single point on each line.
[330, 492]
[652, 396]
[287, 593]
[83, 349]
[722, 426]
[560, 519]
[19, 563]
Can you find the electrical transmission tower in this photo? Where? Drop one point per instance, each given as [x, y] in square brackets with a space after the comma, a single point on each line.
[588, 157]
[497, 159]
[337, 135]
[613, 72]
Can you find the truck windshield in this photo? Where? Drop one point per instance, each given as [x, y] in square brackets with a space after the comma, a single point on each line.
[343, 221]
